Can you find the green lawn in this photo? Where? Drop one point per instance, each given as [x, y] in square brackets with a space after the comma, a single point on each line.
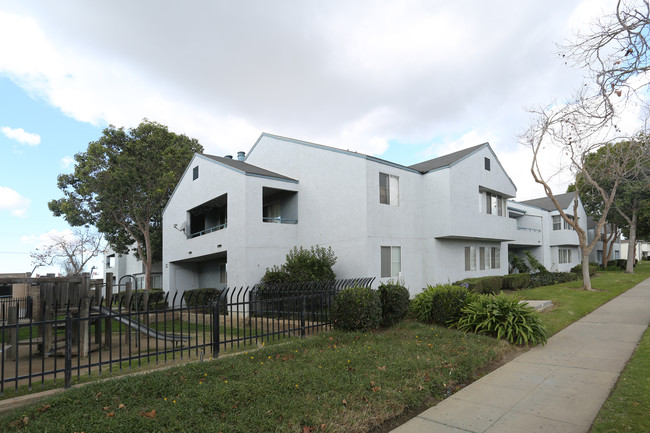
[340, 382]
[571, 303]
[334, 382]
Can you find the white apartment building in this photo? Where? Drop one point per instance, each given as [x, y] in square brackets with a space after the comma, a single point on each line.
[437, 221]
[541, 230]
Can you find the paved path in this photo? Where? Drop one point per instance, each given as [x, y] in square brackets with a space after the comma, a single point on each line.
[558, 387]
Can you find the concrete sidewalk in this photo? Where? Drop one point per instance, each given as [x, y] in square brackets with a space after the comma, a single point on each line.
[558, 387]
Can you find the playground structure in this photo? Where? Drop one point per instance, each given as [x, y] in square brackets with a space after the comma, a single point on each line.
[80, 299]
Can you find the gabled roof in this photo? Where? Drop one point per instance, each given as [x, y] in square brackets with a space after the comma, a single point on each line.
[247, 168]
[546, 203]
[445, 160]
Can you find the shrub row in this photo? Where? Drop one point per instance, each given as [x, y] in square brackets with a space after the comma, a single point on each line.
[501, 316]
[361, 308]
[551, 278]
[156, 300]
[593, 268]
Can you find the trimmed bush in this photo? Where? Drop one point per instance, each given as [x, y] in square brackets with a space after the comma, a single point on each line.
[551, 278]
[515, 281]
[441, 304]
[502, 316]
[491, 284]
[201, 297]
[303, 265]
[156, 300]
[357, 309]
[577, 269]
[395, 300]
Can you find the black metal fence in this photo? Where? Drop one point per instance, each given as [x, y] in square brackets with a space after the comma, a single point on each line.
[23, 307]
[98, 337]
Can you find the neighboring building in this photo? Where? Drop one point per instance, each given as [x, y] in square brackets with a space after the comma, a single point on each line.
[597, 252]
[127, 267]
[19, 290]
[541, 230]
[641, 251]
[437, 221]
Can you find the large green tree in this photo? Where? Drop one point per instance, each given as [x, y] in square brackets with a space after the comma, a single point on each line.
[121, 185]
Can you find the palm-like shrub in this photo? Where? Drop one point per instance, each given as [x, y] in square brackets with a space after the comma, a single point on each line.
[357, 309]
[502, 316]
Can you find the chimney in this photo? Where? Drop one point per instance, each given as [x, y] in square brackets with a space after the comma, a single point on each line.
[228, 156]
[241, 155]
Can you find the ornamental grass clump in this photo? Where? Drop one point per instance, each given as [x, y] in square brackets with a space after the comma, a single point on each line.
[395, 299]
[441, 303]
[357, 309]
[504, 317]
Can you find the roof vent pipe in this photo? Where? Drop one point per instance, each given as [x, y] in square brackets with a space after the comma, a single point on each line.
[241, 155]
[228, 156]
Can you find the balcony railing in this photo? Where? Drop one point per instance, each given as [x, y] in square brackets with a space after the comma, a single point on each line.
[280, 220]
[206, 231]
[529, 229]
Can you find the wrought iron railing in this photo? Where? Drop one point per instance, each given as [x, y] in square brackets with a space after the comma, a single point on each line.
[206, 231]
[95, 336]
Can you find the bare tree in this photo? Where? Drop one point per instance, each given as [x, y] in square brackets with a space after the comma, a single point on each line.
[70, 251]
[576, 135]
[615, 54]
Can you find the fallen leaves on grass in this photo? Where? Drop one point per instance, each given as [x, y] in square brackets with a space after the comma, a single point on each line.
[150, 414]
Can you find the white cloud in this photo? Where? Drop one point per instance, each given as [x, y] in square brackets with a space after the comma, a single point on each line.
[67, 162]
[21, 136]
[13, 202]
[354, 75]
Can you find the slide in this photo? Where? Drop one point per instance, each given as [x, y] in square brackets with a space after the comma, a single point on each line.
[134, 324]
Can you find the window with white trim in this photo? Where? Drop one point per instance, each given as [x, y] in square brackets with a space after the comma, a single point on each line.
[391, 261]
[564, 255]
[470, 258]
[495, 257]
[388, 189]
[492, 203]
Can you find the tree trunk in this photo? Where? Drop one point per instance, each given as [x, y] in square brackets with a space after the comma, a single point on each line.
[631, 250]
[586, 278]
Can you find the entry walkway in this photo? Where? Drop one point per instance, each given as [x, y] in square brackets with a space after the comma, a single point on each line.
[558, 387]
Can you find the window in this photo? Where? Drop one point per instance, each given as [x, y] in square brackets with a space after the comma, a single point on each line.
[391, 261]
[495, 257]
[492, 204]
[564, 255]
[195, 173]
[559, 223]
[489, 258]
[470, 258]
[110, 261]
[223, 275]
[388, 189]
[487, 164]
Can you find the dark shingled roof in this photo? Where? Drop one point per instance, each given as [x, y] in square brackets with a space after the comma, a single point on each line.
[443, 161]
[247, 168]
[546, 203]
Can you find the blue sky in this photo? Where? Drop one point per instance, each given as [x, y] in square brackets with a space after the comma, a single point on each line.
[404, 81]
[31, 170]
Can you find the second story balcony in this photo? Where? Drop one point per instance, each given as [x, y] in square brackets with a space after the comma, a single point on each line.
[279, 206]
[208, 217]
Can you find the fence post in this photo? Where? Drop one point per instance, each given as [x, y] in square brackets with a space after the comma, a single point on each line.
[216, 337]
[127, 302]
[302, 316]
[12, 338]
[108, 325]
[68, 351]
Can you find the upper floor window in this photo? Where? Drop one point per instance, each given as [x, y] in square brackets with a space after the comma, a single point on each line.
[487, 164]
[195, 173]
[559, 223]
[491, 203]
[388, 189]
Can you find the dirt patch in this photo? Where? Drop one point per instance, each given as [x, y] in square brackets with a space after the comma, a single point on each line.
[411, 413]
